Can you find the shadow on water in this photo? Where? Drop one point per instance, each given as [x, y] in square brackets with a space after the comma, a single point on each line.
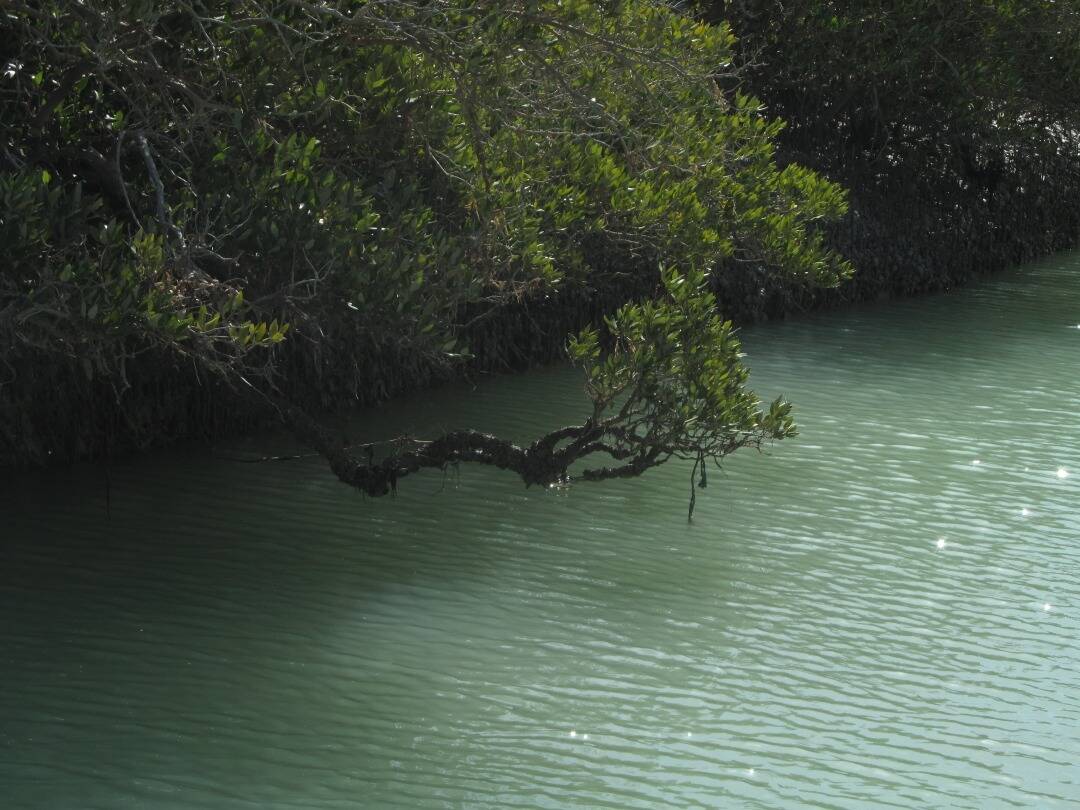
[225, 615]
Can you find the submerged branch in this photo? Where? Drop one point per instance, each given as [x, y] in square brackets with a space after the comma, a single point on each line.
[681, 396]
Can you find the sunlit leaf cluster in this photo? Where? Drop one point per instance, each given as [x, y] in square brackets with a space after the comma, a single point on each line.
[310, 196]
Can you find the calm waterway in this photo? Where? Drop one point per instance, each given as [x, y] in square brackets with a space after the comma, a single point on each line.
[883, 612]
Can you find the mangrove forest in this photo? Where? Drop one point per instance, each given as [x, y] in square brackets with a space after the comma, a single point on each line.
[552, 276]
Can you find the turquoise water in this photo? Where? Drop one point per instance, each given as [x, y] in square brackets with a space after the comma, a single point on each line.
[883, 612]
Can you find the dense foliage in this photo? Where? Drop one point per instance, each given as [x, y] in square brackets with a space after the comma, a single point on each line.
[308, 201]
[954, 124]
[907, 79]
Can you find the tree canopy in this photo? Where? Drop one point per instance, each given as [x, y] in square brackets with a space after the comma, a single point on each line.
[273, 194]
[899, 79]
[953, 124]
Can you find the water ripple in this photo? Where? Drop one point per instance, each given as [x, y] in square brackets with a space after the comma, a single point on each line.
[882, 613]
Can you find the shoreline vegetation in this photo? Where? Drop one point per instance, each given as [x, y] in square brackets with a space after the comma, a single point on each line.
[219, 222]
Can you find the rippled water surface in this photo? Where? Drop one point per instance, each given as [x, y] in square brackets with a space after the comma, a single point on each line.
[884, 612]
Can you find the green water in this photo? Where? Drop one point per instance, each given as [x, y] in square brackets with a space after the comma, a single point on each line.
[884, 612]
